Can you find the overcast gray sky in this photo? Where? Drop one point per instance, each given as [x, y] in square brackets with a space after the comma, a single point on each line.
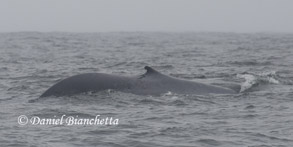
[146, 15]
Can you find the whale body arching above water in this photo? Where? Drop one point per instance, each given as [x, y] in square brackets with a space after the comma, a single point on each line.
[151, 83]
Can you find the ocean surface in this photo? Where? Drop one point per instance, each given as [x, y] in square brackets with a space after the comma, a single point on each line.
[261, 115]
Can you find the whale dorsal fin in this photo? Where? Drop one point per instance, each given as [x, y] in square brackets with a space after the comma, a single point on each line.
[149, 71]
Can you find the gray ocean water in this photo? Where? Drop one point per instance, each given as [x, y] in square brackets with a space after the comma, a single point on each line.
[260, 116]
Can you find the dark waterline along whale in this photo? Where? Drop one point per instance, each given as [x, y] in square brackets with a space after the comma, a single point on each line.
[151, 83]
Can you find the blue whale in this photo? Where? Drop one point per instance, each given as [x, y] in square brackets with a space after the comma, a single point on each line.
[151, 83]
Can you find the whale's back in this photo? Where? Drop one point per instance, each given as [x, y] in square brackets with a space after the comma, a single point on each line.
[87, 82]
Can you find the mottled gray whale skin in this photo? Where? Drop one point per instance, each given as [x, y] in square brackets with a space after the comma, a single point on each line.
[151, 83]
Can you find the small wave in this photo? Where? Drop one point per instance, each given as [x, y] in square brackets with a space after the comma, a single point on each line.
[250, 81]
[212, 142]
[250, 63]
[256, 79]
